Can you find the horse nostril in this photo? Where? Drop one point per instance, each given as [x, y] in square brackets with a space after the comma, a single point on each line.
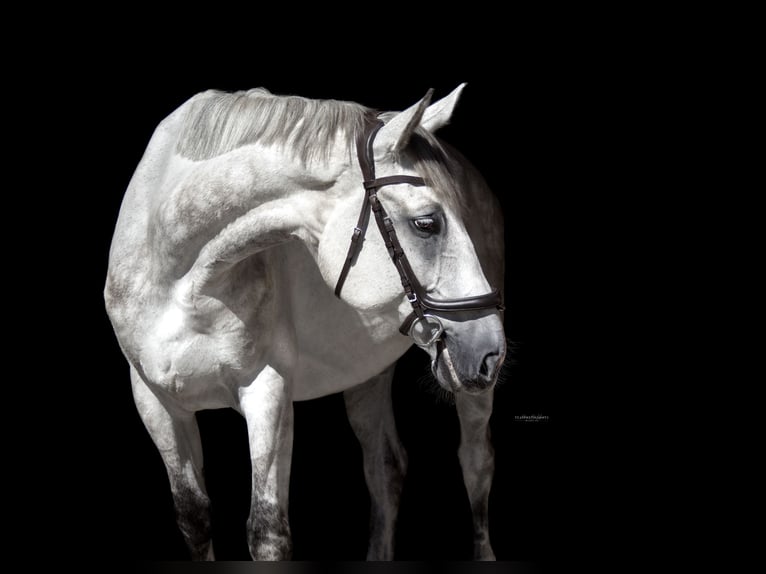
[488, 364]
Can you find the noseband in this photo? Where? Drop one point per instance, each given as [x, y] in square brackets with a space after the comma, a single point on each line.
[424, 308]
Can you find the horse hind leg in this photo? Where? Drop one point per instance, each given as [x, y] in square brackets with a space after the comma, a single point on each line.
[370, 412]
[176, 436]
[477, 460]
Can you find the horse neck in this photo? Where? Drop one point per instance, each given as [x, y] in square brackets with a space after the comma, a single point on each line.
[224, 209]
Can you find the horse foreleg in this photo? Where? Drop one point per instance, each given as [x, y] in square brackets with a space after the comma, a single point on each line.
[370, 412]
[176, 435]
[477, 459]
[268, 409]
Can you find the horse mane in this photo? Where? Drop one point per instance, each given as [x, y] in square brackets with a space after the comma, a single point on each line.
[224, 121]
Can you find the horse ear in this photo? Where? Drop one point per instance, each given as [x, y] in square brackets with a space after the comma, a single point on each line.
[394, 136]
[439, 113]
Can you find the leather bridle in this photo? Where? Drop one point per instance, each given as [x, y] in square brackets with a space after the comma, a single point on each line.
[424, 307]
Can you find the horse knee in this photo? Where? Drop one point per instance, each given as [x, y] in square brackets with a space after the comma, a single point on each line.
[268, 532]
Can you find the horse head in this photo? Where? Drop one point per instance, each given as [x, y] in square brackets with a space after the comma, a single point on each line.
[437, 291]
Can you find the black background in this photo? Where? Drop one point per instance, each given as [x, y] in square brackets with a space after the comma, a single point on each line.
[527, 121]
[599, 129]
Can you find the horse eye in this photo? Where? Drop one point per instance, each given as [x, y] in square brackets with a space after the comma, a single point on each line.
[426, 224]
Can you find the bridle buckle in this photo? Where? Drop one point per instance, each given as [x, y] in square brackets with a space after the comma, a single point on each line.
[426, 330]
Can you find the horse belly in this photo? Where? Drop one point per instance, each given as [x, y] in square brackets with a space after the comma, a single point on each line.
[344, 357]
[316, 378]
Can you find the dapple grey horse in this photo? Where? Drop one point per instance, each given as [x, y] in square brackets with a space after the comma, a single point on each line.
[228, 245]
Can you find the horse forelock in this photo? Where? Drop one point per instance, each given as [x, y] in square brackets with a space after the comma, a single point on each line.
[438, 164]
[221, 122]
[439, 167]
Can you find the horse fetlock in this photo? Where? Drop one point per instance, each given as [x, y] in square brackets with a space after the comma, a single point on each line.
[193, 519]
[273, 548]
[196, 531]
[383, 515]
[380, 550]
[483, 551]
[268, 533]
[202, 552]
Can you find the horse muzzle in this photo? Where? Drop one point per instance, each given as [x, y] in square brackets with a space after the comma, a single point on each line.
[468, 358]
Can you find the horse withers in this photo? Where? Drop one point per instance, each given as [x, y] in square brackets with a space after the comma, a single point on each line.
[242, 274]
